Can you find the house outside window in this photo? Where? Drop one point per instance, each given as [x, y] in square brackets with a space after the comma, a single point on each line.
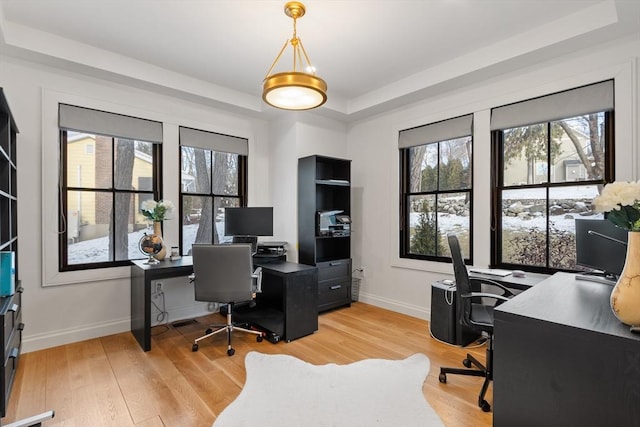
[213, 177]
[109, 165]
[436, 188]
[552, 156]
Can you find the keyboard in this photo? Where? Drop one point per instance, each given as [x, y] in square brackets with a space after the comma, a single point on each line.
[490, 271]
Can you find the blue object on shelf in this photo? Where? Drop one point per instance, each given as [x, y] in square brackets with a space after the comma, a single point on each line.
[7, 273]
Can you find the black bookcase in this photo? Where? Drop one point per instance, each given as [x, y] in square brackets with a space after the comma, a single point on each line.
[11, 305]
[324, 184]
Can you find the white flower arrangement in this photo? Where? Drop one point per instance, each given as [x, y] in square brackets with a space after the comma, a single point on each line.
[157, 211]
[622, 201]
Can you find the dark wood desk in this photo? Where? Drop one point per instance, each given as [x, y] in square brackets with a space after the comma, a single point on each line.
[562, 358]
[286, 305]
[141, 277]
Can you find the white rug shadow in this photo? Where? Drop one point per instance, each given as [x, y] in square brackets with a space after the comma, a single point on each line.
[283, 391]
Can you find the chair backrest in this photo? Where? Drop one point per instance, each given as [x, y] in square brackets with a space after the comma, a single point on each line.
[463, 283]
[223, 273]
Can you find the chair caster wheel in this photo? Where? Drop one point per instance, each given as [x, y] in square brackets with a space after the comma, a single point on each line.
[442, 378]
[484, 405]
[466, 363]
[194, 347]
[259, 338]
[208, 331]
[231, 352]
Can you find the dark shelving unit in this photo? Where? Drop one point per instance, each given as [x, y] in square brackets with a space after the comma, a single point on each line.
[324, 184]
[11, 305]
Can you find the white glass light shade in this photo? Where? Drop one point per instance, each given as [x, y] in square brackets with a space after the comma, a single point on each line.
[294, 91]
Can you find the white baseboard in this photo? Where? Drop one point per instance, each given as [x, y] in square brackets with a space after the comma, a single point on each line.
[397, 306]
[86, 332]
[67, 336]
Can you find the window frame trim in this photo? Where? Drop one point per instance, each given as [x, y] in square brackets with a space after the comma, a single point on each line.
[242, 196]
[497, 177]
[63, 261]
[403, 239]
[49, 184]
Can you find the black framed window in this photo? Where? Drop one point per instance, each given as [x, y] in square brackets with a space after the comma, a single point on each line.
[551, 157]
[213, 176]
[109, 165]
[436, 188]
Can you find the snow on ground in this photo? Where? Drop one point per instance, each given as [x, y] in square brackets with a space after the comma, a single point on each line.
[97, 250]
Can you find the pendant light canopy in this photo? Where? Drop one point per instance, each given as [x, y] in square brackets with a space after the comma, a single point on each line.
[299, 89]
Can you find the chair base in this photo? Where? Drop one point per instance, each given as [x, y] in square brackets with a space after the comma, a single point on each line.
[479, 371]
[229, 327]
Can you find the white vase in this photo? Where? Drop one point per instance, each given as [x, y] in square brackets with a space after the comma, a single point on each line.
[625, 297]
[157, 230]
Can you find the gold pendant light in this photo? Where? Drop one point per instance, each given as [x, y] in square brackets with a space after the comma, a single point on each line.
[296, 89]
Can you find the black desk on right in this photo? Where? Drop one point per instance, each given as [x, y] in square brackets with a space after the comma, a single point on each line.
[562, 358]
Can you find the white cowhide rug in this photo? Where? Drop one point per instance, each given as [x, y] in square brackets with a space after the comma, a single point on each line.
[283, 391]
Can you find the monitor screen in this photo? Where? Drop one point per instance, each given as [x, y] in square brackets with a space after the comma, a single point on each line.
[248, 221]
[600, 245]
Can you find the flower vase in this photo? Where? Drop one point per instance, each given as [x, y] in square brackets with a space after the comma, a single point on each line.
[625, 297]
[157, 230]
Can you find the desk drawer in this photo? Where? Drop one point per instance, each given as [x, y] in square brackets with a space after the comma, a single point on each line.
[9, 321]
[333, 293]
[329, 270]
[9, 371]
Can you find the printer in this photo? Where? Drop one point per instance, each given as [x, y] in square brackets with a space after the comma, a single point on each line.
[333, 223]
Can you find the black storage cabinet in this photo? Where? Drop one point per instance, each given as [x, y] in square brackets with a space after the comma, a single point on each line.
[324, 184]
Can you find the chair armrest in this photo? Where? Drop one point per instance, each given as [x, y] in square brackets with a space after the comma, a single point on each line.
[257, 274]
[505, 291]
[486, 295]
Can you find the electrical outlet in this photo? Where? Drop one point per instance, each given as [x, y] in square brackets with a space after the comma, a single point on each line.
[158, 286]
[360, 271]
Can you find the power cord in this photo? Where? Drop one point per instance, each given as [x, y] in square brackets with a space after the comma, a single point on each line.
[163, 314]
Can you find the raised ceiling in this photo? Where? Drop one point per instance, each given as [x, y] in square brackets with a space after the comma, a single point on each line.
[374, 54]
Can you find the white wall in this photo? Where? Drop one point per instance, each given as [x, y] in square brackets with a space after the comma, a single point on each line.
[404, 285]
[80, 305]
[298, 135]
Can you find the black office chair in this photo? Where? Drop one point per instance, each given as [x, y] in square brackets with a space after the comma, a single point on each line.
[224, 274]
[473, 313]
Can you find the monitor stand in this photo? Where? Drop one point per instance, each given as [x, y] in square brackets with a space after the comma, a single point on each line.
[252, 240]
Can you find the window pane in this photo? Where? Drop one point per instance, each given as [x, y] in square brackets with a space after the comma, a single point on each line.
[525, 155]
[578, 148]
[567, 204]
[423, 173]
[196, 170]
[524, 225]
[126, 239]
[88, 160]
[89, 217]
[196, 221]
[225, 173]
[220, 203]
[455, 164]
[424, 239]
[454, 217]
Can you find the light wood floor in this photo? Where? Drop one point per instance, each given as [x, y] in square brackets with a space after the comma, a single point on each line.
[110, 381]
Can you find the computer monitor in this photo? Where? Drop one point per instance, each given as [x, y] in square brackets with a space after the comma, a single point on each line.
[248, 221]
[600, 245]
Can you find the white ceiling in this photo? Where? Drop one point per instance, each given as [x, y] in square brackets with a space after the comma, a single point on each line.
[374, 55]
